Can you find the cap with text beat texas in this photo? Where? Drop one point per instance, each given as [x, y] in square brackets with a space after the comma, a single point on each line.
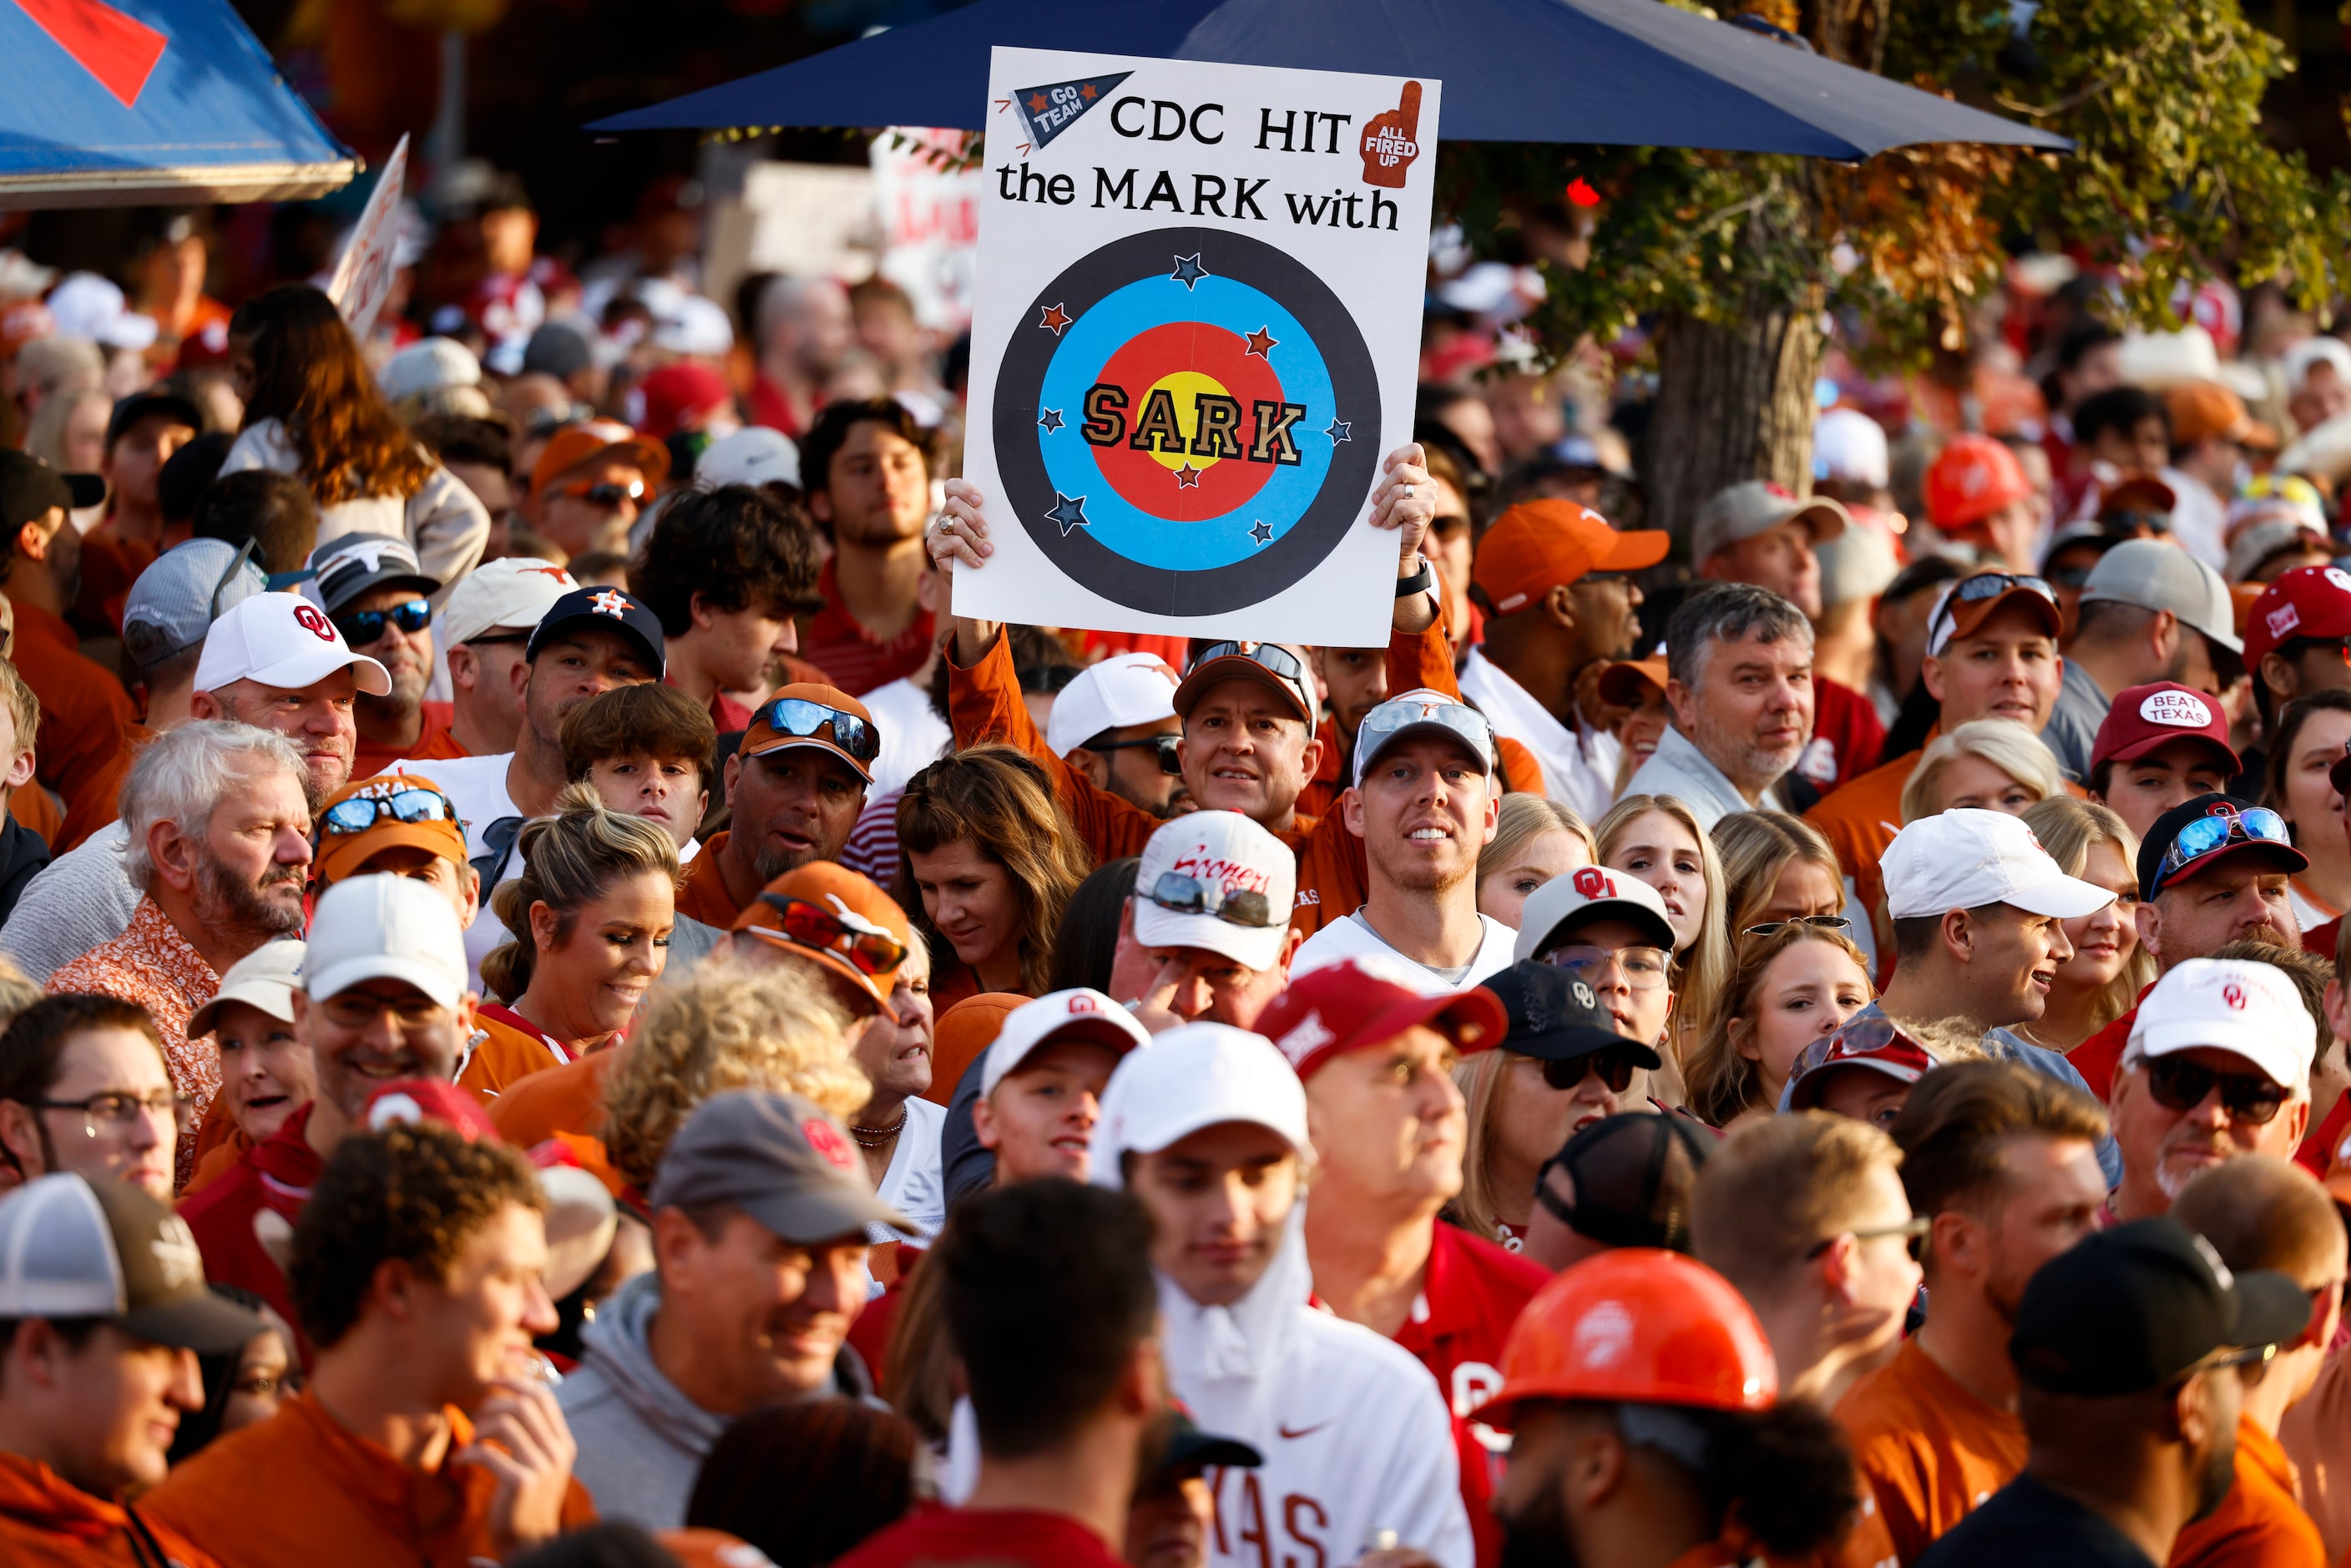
[1196, 1075]
[1589, 894]
[382, 927]
[2246, 1007]
[74, 1247]
[283, 640]
[2309, 602]
[1538, 546]
[1964, 859]
[1124, 689]
[1080, 1014]
[2147, 718]
[1215, 880]
[1356, 1003]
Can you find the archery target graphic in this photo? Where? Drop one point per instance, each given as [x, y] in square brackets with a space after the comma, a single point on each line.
[1185, 421]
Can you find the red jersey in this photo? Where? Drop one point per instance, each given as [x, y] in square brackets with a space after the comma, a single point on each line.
[276, 1175]
[2096, 1058]
[2320, 939]
[984, 1535]
[1847, 736]
[856, 659]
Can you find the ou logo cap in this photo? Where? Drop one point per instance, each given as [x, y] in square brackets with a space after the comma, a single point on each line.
[1594, 882]
[313, 620]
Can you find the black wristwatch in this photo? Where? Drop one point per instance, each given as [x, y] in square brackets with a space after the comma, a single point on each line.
[1420, 581]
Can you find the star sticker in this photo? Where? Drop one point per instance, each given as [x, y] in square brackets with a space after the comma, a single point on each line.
[1069, 511]
[1052, 419]
[1262, 532]
[1260, 343]
[1188, 478]
[1055, 320]
[1087, 91]
[609, 603]
[1037, 103]
[1337, 429]
[1189, 270]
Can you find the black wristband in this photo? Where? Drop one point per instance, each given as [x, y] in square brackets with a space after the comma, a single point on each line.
[1420, 581]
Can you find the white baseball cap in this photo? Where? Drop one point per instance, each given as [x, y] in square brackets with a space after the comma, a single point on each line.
[1128, 688]
[1196, 1075]
[427, 365]
[1961, 859]
[383, 928]
[752, 455]
[266, 979]
[1080, 1014]
[513, 593]
[2238, 1004]
[283, 640]
[1592, 892]
[1850, 448]
[1202, 873]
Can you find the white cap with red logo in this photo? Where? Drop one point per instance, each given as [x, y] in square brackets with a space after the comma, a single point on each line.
[1128, 688]
[1590, 893]
[1073, 1015]
[1216, 879]
[1965, 859]
[2237, 1005]
[279, 640]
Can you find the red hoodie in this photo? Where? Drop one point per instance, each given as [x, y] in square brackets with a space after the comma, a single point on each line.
[275, 1176]
[47, 1522]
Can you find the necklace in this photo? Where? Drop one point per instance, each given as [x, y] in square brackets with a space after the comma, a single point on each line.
[878, 1137]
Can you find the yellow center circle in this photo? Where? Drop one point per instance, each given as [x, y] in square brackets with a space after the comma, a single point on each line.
[1185, 387]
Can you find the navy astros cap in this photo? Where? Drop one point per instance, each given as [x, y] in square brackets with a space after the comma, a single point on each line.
[614, 610]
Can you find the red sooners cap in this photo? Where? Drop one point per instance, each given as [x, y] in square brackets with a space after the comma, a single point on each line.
[1356, 1003]
[2144, 717]
[413, 1099]
[2308, 602]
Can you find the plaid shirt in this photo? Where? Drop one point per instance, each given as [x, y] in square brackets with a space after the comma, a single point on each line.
[152, 964]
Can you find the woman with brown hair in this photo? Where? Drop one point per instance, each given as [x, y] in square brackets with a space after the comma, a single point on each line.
[987, 859]
[312, 409]
[1791, 986]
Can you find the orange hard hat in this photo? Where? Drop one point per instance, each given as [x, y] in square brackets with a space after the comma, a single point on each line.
[1641, 1325]
[1971, 479]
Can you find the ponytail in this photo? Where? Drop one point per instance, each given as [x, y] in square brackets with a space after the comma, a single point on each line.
[568, 860]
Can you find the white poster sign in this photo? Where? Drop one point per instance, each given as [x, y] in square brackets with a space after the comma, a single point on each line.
[929, 211]
[1196, 332]
[362, 279]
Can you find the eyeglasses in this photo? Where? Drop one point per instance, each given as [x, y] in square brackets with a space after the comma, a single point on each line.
[116, 1109]
[801, 719]
[1190, 895]
[1644, 969]
[869, 949]
[360, 812]
[1818, 923]
[358, 1009]
[1164, 745]
[362, 627]
[2222, 825]
[1614, 1069]
[1912, 1230]
[2179, 1084]
[1987, 585]
[606, 494]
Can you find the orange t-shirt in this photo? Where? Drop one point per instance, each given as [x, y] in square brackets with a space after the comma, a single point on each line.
[1859, 820]
[702, 894]
[297, 1490]
[2260, 1524]
[505, 1048]
[1932, 1451]
[2316, 1437]
[46, 1521]
[433, 740]
[564, 1103]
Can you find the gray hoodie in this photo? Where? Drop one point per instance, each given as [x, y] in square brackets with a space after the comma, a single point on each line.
[642, 1441]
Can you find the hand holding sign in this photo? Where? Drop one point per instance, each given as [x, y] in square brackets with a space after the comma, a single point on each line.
[1390, 142]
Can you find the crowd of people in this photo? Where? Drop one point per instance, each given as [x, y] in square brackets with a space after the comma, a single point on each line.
[561, 1007]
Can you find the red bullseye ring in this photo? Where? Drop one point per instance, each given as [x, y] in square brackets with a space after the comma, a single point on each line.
[1141, 477]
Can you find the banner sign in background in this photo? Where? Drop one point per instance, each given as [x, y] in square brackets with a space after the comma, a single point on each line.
[1197, 324]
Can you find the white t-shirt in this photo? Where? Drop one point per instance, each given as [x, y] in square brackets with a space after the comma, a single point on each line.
[1351, 938]
[477, 786]
[916, 1185]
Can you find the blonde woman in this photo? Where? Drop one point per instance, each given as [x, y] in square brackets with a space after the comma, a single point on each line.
[1795, 986]
[1985, 764]
[1776, 867]
[1535, 838]
[1517, 1120]
[1658, 838]
[590, 918]
[2109, 969]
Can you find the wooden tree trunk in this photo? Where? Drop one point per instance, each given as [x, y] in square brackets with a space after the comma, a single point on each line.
[1733, 402]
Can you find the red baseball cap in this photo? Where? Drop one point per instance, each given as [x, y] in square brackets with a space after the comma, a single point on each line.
[1356, 1003]
[2145, 717]
[1973, 477]
[2308, 602]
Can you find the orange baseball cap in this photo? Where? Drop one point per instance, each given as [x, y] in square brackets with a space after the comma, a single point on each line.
[837, 920]
[575, 445]
[1622, 682]
[823, 717]
[2201, 410]
[346, 836]
[1971, 600]
[1537, 546]
[964, 1033]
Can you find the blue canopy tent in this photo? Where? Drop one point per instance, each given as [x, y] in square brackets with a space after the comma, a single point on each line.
[1618, 72]
[129, 102]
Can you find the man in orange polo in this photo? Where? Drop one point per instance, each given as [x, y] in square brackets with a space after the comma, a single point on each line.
[794, 789]
[1991, 653]
[427, 1434]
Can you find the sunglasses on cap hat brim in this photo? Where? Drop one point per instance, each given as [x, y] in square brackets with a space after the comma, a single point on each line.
[2225, 830]
[1269, 664]
[1976, 599]
[1393, 720]
[796, 721]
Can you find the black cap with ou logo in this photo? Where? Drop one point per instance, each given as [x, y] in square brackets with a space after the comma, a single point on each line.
[1555, 1016]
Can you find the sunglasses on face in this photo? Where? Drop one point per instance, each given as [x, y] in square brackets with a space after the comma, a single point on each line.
[1164, 745]
[801, 719]
[606, 494]
[2179, 1084]
[2223, 825]
[1644, 969]
[1614, 1068]
[360, 812]
[362, 627]
[1189, 896]
[868, 952]
[1818, 922]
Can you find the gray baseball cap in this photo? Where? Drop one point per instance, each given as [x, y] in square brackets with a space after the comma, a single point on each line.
[179, 596]
[2256, 542]
[1757, 507]
[2155, 574]
[780, 1159]
[73, 1247]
